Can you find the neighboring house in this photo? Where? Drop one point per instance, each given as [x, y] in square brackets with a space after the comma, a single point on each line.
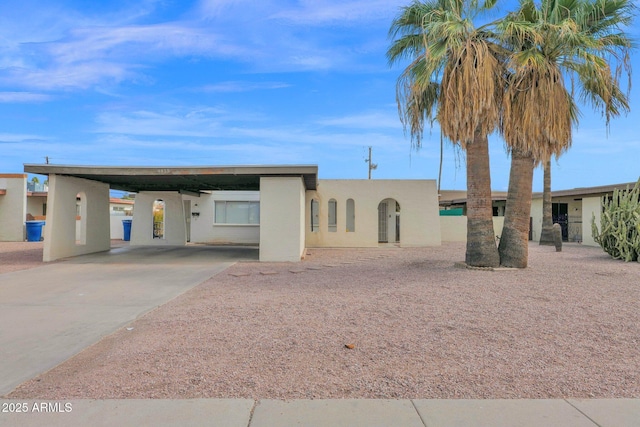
[453, 210]
[573, 209]
[13, 207]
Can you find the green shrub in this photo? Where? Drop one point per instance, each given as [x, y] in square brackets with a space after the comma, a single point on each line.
[619, 233]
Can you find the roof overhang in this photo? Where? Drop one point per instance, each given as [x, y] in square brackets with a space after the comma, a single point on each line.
[192, 179]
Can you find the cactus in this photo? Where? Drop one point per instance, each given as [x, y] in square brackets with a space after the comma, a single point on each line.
[619, 233]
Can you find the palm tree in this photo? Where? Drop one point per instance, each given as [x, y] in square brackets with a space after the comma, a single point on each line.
[455, 77]
[558, 38]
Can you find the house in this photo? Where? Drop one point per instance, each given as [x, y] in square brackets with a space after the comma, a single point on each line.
[283, 209]
[573, 209]
[453, 210]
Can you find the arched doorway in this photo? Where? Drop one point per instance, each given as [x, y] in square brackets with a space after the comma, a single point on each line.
[389, 221]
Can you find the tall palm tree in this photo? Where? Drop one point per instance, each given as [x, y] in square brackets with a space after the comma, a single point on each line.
[455, 76]
[577, 38]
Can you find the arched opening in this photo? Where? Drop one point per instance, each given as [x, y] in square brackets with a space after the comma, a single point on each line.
[351, 216]
[81, 219]
[158, 219]
[315, 215]
[333, 215]
[389, 221]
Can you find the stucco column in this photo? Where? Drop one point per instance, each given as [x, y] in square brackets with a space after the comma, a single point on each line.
[591, 206]
[61, 238]
[282, 230]
[175, 231]
[13, 207]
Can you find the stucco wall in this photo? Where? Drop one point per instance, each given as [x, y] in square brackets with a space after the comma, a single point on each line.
[60, 236]
[35, 205]
[454, 228]
[590, 206]
[536, 215]
[13, 207]
[203, 226]
[281, 218]
[419, 218]
[174, 219]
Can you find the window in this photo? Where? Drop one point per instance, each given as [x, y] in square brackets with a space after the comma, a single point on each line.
[241, 212]
[333, 215]
[315, 215]
[351, 216]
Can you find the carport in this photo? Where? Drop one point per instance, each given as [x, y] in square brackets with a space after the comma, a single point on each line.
[282, 204]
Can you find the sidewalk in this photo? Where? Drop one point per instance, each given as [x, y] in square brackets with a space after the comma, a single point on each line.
[324, 413]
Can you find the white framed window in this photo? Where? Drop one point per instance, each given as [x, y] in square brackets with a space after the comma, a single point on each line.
[237, 212]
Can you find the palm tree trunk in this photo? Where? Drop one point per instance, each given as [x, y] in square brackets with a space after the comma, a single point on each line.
[481, 241]
[514, 241]
[546, 236]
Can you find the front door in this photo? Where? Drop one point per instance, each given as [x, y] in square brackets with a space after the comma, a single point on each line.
[382, 223]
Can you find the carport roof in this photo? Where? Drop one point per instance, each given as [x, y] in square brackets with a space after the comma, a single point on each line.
[180, 178]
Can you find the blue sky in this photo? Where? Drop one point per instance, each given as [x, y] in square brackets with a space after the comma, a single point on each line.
[230, 82]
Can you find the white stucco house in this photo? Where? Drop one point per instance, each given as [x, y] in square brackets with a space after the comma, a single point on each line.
[283, 209]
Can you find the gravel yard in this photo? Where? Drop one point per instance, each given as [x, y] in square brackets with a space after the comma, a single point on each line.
[16, 256]
[567, 326]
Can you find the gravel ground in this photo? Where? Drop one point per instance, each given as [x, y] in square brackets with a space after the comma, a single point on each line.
[16, 256]
[567, 326]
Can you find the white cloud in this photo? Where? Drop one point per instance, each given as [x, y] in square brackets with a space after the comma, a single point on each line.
[14, 97]
[200, 123]
[322, 12]
[369, 120]
[18, 138]
[240, 86]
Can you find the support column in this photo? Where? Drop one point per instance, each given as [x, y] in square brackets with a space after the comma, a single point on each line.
[175, 232]
[282, 230]
[60, 236]
[13, 207]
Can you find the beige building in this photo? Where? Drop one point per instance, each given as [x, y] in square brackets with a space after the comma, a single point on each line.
[283, 209]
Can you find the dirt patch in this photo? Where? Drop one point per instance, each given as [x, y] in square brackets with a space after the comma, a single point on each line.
[567, 326]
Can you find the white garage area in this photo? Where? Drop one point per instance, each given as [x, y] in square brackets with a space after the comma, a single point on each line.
[282, 192]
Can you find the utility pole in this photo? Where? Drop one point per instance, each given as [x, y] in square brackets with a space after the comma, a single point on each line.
[46, 159]
[372, 166]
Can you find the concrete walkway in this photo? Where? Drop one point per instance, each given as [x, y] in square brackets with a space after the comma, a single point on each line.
[50, 313]
[324, 413]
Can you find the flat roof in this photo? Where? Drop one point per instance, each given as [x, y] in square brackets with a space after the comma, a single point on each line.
[180, 178]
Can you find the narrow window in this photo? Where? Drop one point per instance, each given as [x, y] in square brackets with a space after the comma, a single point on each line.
[333, 215]
[351, 216]
[158, 219]
[315, 215]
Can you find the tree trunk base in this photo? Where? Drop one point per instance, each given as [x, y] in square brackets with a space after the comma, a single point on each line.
[513, 249]
[546, 236]
[481, 248]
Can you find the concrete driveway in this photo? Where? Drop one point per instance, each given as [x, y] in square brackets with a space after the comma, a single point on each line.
[51, 313]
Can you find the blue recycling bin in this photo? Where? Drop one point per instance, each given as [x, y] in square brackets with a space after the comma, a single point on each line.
[126, 224]
[34, 230]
